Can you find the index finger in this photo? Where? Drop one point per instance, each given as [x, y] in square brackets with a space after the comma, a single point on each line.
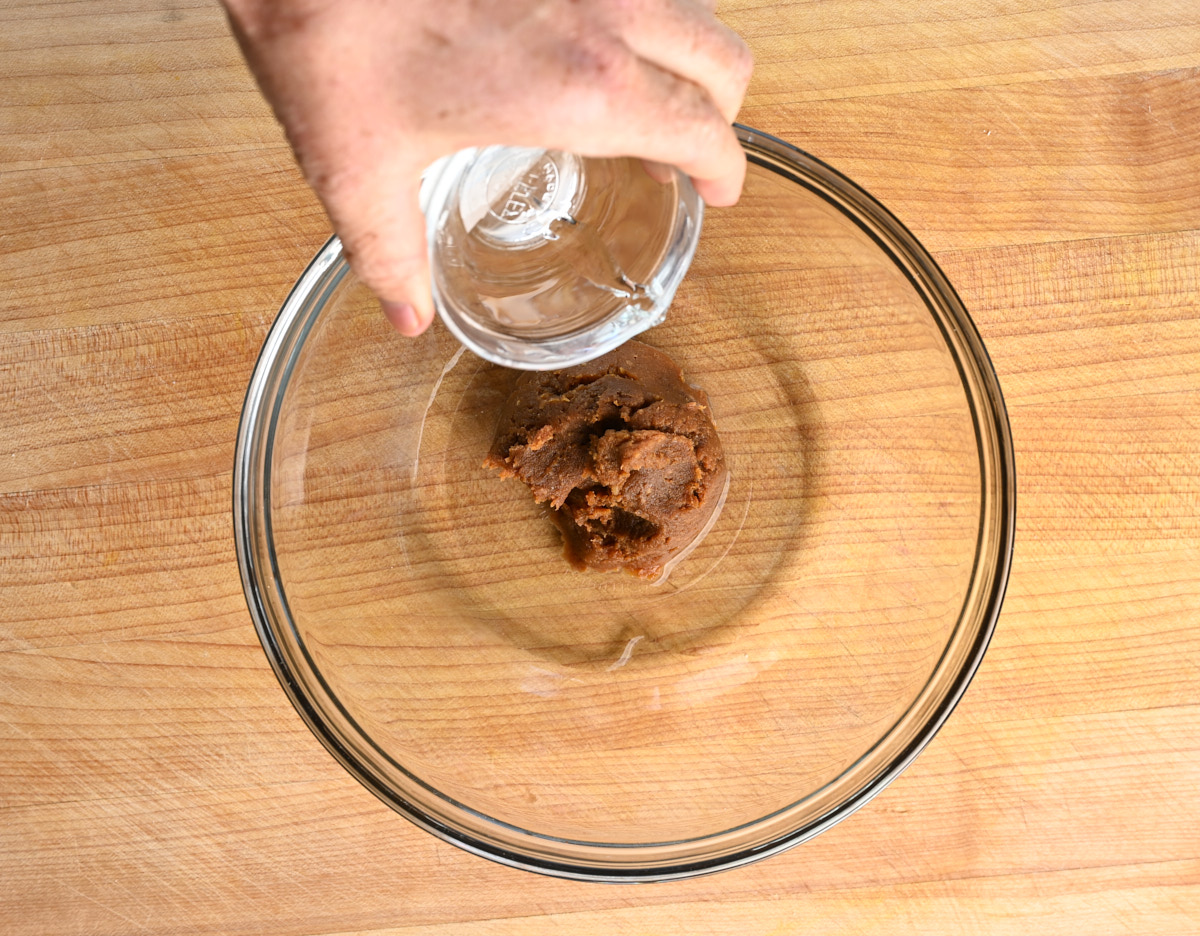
[687, 40]
[657, 116]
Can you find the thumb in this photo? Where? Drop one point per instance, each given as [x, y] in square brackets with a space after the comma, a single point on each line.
[385, 246]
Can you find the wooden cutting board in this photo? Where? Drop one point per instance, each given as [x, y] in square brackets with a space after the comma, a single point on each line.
[154, 778]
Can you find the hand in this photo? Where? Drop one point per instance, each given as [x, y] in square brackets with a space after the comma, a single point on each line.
[370, 92]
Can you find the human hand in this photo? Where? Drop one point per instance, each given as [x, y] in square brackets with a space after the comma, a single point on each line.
[370, 92]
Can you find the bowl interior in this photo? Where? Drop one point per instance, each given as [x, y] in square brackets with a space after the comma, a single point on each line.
[793, 661]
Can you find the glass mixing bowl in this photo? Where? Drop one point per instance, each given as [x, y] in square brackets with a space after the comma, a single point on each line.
[419, 613]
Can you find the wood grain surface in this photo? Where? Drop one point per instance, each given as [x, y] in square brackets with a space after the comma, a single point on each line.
[153, 776]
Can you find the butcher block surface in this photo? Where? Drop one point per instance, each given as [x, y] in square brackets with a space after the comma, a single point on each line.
[154, 777]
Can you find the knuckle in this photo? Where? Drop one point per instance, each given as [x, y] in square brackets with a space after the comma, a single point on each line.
[710, 136]
[595, 59]
[704, 135]
[387, 272]
[741, 62]
[598, 75]
[385, 250]
[334, 181]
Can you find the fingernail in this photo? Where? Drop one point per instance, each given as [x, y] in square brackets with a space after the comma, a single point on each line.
[403, 317]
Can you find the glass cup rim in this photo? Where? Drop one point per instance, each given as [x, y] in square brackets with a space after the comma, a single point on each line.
[440, 185]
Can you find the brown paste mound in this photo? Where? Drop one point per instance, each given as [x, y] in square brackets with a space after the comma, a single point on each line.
[622, 450]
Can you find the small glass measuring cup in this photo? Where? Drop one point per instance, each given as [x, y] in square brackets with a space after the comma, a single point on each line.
[541, 259]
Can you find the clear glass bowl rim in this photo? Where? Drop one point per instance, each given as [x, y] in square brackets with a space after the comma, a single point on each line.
[266, 599]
